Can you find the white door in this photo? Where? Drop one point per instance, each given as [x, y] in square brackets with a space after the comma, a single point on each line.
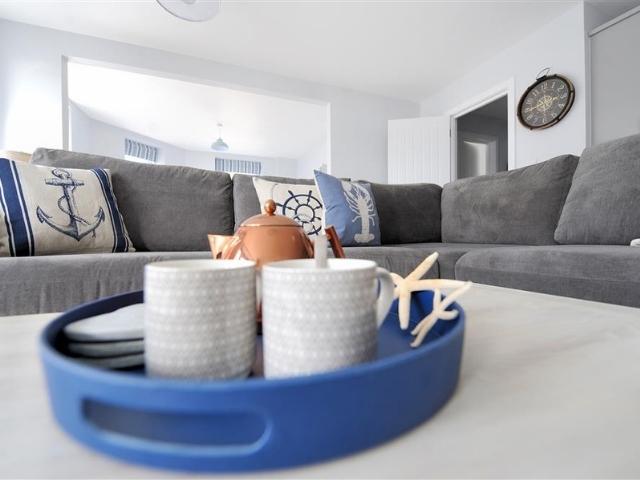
[419, 150]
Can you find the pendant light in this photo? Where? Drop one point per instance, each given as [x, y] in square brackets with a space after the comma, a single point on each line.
[219, 145]
[191, 10]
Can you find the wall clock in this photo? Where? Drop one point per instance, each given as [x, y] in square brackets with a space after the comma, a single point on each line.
[546, 102]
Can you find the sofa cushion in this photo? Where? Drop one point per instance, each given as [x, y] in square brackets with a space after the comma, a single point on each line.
[520, 206]
[408, 213]
[603, 204]
[448, 253]
[403, 259]
[58, 282]
[165, 207]
[45, 210]
[245, 198]
[604, 273]
[301, 203]
[351, 208]
[398, 260]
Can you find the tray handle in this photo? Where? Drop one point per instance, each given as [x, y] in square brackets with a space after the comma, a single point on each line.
[229, 433]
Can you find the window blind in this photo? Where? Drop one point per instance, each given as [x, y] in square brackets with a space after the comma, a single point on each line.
[228, 165]
[140, 150]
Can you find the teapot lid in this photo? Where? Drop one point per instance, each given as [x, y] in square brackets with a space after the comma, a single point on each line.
[269, 218]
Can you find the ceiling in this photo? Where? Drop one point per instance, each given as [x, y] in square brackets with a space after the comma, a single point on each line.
[403, 48]
[185, 114]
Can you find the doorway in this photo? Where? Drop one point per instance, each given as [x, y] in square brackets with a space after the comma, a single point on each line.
[482, 137]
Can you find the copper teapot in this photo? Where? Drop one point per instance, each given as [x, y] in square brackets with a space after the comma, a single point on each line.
[268, 237]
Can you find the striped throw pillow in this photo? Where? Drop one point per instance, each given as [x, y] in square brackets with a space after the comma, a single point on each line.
[45, 210]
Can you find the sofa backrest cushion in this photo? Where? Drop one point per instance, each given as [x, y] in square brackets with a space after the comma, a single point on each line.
[408, 213]
[165, 207]
[520, 206]
[245, 199]
[603, 204]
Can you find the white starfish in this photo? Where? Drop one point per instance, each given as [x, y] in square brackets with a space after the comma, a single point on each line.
[439, 312]
[413, 283]
[406, 286]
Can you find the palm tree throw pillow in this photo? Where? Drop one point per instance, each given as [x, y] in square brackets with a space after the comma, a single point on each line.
[351, 209]
[45, 210]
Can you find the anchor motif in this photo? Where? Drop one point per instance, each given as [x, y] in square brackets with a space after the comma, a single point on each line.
[77, 227]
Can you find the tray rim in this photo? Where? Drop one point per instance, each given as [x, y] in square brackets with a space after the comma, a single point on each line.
[49, 354]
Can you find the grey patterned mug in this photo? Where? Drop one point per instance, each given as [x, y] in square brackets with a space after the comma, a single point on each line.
[200, 318]
[321, 319]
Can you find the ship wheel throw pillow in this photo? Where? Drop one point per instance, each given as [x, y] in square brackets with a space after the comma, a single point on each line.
[300, 202]
[351, 209]
[45, 210]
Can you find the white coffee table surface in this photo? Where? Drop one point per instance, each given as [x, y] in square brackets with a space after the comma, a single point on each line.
[550, 387]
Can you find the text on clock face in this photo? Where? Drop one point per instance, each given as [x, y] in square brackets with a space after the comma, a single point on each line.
[545, 102]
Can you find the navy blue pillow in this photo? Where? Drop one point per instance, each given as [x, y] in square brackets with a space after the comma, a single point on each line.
[351, 209]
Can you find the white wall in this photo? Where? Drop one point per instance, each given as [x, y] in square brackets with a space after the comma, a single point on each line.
[311, 160]
[109, 140]
[282, 167]
[92, 136]
[31, 81]
[81, 130]
[560, 45]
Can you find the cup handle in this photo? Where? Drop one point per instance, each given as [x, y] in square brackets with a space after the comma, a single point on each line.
[385, 297]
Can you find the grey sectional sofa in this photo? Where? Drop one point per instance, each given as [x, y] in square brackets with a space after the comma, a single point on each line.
[561, 227]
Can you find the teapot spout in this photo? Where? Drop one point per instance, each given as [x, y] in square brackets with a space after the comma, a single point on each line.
[218, 243]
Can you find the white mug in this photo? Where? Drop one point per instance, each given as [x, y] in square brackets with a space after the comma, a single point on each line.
[200, 318]
[321, 319]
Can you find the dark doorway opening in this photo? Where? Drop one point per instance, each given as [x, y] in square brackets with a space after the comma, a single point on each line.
[483, 140]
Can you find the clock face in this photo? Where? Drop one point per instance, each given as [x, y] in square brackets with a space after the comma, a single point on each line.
[546, 102]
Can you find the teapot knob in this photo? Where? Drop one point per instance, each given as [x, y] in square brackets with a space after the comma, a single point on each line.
[270, 207]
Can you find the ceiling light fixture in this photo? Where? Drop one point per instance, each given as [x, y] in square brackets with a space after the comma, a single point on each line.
[219, 145]
[191, 10]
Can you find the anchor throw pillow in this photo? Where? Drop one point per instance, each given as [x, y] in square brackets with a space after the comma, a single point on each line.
[351, 208]
[45, 210]
[299, 202]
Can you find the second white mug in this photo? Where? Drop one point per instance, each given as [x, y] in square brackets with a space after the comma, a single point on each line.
[321, 319]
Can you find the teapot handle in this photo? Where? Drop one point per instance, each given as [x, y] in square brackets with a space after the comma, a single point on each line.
[218, 243]
[334, 241]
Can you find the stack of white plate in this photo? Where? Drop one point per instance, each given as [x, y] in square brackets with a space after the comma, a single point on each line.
[114, 340]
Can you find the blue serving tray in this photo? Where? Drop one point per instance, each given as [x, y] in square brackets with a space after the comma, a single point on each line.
[253, 424]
